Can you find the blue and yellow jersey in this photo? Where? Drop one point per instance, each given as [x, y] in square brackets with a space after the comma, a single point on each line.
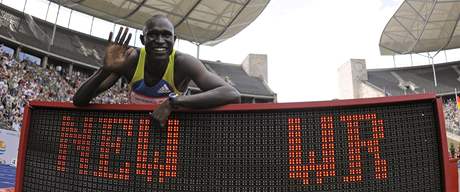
[140, 92]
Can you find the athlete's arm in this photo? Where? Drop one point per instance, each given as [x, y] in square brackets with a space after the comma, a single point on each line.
[118, 61]
[96, 84]
[215, 91]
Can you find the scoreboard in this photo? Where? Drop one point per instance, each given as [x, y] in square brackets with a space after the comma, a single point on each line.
[381, 144]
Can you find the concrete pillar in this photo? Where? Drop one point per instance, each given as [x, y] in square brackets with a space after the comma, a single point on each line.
[16, 53]
[255, 65]
[44, 61]
[70, 69]
[351, 74]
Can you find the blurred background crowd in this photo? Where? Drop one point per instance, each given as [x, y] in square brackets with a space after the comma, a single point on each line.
[22, 81]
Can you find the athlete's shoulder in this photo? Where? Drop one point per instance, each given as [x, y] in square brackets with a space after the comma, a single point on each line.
[184, 58]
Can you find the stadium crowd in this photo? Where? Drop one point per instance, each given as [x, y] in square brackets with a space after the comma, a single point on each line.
[21, 81]
[452, 116]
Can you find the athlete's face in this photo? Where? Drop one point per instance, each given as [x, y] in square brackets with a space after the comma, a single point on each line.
[158, 38]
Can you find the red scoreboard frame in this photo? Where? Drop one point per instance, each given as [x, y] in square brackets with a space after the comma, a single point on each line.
[297, 171]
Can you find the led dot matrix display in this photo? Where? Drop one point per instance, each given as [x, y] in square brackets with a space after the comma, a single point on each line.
[382, 147]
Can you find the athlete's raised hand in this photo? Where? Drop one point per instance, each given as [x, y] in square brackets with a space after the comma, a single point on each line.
[117, 51]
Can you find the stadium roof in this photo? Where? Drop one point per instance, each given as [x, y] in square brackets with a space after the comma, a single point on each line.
[206, 22]
[422, 26]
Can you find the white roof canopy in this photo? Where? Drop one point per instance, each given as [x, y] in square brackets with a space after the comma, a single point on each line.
[422, 26]
[201, 21]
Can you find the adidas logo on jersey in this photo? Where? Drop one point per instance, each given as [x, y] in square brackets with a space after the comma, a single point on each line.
[164, 89]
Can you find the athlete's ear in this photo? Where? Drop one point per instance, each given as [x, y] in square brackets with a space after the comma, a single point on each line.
[175, 37]
[142, 39]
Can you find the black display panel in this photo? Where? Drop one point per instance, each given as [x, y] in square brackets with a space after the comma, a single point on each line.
[382, 147]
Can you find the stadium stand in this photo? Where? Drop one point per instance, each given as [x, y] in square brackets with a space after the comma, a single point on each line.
[417, 79]
[35, 34]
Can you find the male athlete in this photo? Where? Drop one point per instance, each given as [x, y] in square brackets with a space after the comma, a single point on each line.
[156, 73]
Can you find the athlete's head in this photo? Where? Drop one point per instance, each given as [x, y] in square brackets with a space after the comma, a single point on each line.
[158, 37]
